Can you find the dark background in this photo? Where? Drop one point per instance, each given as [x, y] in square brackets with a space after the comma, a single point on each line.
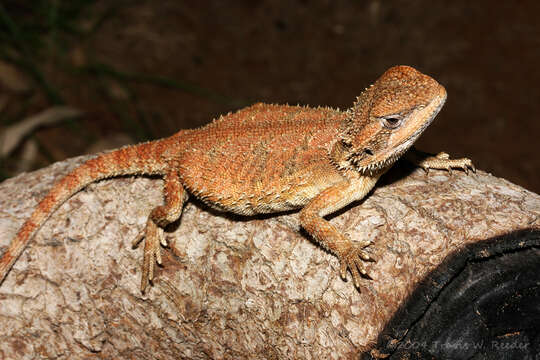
[145, 69]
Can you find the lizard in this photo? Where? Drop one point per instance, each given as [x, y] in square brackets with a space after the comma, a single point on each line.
[269, 158]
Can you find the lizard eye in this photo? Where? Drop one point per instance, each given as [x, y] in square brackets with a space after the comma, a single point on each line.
[392, 121]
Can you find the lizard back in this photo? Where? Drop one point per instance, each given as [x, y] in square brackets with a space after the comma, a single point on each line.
[261, 159]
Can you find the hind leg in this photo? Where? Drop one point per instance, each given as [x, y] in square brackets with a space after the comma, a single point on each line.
[175, 197]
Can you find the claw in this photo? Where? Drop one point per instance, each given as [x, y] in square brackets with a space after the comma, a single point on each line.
[163, 241]
[343, 269]
[467, 165]
[135, 243]
[372, 258]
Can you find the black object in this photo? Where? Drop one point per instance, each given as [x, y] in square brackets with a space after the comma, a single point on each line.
[480, 303]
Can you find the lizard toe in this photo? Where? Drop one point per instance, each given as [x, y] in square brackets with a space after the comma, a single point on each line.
[364, 255]
[135, 243]
[464, 164]
[154, 237]
[355, 273]
[442, 155]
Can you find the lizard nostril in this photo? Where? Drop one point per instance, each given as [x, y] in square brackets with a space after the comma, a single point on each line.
[368, 151]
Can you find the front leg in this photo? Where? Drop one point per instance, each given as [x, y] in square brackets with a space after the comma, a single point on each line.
[327, 202]
[160, 216]
[441, 161]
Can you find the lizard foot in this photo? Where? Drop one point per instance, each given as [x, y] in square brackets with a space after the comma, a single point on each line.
[154, 236]
[353, 259]
[442, 161]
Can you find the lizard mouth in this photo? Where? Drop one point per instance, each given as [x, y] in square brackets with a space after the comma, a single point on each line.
[376, 166]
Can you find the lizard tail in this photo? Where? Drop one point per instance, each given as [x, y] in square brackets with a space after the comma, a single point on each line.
[146, 158]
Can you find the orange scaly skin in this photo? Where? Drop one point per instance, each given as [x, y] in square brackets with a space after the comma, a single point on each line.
[268, 159]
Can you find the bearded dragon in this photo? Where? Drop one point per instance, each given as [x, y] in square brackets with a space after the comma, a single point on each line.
[269, 159]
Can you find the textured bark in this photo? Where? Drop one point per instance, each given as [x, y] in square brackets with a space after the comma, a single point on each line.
[231, 287]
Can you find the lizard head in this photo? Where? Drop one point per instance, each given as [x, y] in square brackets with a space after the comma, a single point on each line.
[386, 120]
